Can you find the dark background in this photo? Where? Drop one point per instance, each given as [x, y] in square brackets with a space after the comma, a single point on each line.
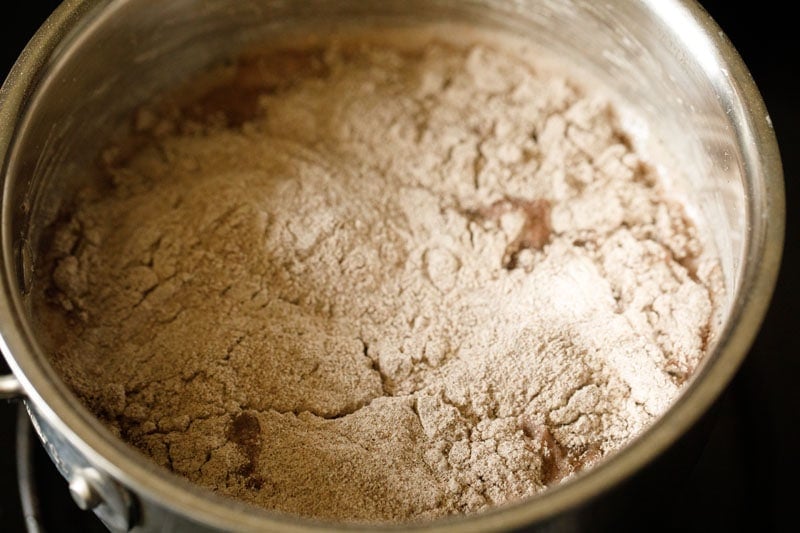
[747, 476]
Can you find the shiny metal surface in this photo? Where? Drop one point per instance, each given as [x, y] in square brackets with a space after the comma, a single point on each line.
[83, 491]
[684, 93]
[10, 388]
[97, 490]
[28, 493]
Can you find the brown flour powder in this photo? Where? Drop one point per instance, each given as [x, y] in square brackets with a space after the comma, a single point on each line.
[361, 283]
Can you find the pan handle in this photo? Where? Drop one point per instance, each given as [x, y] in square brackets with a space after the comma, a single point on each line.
[10, 388]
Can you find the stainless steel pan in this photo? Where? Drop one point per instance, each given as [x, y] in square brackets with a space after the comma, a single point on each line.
[93, 61]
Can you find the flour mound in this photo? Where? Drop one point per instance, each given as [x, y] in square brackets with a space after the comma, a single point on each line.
[378, 285]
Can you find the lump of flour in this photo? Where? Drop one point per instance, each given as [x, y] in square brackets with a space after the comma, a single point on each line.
[361, 283]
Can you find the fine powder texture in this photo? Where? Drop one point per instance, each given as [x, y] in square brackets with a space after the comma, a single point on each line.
[362, 283]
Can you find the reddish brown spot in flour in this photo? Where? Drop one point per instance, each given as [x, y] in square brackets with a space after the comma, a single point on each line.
[535, 231]
[255, 74]
[225, 96]
[245, 431]
[558, 461]
[555, 462]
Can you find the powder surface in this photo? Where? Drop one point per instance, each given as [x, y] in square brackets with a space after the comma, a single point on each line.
[366, 284]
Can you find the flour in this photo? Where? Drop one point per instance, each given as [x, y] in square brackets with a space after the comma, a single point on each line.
[365, 284]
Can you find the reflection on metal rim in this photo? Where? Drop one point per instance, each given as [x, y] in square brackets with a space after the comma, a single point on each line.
[26, 479]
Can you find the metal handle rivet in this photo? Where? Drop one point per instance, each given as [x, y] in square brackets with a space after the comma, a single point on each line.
[85, 495]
